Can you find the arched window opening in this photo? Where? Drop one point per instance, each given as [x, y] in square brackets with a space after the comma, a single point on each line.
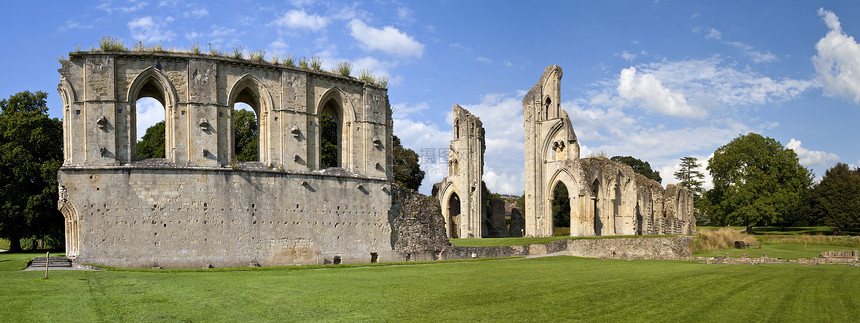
[457, 129]
[149, 114]
[560, 210]
[330, 135]
[454, 216]
[598, 224]
[546, 108]
[246, 127]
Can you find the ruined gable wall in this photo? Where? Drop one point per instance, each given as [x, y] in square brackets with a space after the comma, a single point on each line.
[194, 208]
[465, 173]
[551, 155]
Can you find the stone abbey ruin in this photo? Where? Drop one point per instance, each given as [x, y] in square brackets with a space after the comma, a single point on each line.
[198, 207]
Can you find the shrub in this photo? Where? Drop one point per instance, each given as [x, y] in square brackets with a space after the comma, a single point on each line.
[303, 62]
[257, 55]
[195, 48]
[110, 44]
[290, 61]
[344, 68]
[366, 76]
[316, 63]
[722, 238]
[237, 52]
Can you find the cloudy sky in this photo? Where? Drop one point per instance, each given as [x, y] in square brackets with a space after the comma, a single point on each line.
[657, 80]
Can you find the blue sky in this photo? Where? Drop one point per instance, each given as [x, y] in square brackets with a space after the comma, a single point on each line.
[657, 80]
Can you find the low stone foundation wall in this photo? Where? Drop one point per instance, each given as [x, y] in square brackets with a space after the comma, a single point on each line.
[826, 258]
[631, 248]
[613, 248]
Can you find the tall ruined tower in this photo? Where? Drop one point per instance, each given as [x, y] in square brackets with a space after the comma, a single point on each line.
[460, 193]
[552, 152]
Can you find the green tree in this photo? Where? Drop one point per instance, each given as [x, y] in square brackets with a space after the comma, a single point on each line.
[835, 201]
[690, 176]
[30, 156]
[407, 171]
[328, 141]
[152, 143]
[756, 181]
[560, 206]
[246, 137]
[639, 166]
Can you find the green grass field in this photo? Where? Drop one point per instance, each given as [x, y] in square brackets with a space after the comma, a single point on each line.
[539, 289]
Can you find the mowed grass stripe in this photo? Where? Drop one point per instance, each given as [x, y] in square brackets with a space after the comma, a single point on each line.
[540, 289]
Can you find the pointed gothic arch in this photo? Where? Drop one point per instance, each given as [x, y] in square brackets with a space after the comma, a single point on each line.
[335, 102]
[151, 82]
[250, 90]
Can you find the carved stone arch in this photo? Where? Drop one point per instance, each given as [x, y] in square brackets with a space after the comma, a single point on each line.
[68, 96]
[547, 141]
[67, 92]
[565, 177]
[453, 162]
[169, 100]
[337, 100]
[263, 107]
[72, 226]
[452, 222]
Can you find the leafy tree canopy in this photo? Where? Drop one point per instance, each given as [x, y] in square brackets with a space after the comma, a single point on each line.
[246, 139]
[407, 171]
[756, 181]
[560, 206]
[328, 141]
[835, 201]
[30, 155]
[152, 143]
[639, 166]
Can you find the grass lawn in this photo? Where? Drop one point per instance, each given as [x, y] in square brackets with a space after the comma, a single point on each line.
[538, 289]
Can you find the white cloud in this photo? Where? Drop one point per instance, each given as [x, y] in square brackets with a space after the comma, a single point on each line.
[628, 56]
[149, 112]
[191, 35]
[151, 30]
[685, 88]
[389, 40]
[197, 13]
[134, 6]
[810, 158]
[405, 15]
[404, 110]
[756, 56]
[838, 60]
[299, 19]
[483, 59]
[648, 90]
[430, 143]
[74, 25]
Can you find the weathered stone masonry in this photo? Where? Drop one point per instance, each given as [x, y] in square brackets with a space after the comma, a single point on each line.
[460, 193]
[606, 198]
[194, 208]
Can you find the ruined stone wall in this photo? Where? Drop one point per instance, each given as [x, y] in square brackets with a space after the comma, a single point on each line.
[139, 217]
[551, 156]
[464, 180]
[100, 89]
[606, 197]
[197, 207]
